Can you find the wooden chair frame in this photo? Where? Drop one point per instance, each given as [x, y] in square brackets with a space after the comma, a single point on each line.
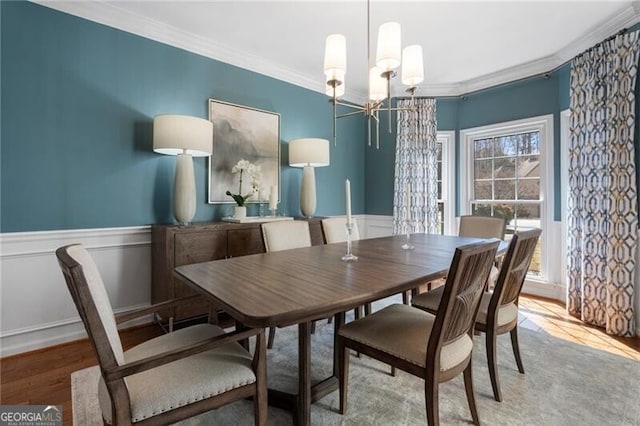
[114, 373]
[456, 316]
[507, 290]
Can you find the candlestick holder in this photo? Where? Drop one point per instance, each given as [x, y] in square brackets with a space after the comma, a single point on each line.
[273, 211]
[407, 245]
[349, 257]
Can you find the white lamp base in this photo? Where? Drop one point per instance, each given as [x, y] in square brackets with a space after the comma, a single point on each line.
[184, 190]
[308, 192]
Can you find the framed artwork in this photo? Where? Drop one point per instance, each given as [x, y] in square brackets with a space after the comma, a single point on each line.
[245, 133]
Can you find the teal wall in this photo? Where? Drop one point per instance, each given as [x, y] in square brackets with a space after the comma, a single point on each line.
[78, 100]
[512, 101]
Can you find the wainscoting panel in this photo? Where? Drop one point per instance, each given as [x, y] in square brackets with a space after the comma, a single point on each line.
[37, 310]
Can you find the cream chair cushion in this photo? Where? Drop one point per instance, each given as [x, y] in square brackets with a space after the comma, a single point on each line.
[430, 301]
[403, 331]
[335, 230]
[100, 298]
[286, 235]
[482, 227]
[506, 313]
[184, 381]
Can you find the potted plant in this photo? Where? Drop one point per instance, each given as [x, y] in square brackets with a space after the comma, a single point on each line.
[240, 199]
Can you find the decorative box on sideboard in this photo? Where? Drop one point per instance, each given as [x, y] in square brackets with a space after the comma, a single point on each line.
[174, 245]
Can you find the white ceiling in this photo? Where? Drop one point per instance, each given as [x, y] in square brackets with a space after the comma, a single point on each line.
[467, 45]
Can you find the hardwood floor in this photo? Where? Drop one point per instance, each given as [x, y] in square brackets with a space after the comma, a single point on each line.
[43, 376]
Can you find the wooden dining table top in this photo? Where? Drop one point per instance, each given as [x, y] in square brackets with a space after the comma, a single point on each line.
[304, 284]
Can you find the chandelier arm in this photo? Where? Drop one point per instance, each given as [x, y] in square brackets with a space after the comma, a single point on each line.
[350, 105]
[349, 114]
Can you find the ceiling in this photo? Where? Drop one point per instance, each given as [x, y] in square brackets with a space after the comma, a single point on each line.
[468, 45]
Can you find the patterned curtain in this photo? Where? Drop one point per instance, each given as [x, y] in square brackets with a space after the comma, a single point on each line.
[415, 198]
[602, 206]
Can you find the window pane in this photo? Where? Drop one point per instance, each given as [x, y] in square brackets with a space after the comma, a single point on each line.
[529, 166]
[506, 146]
[529, 189]
[483, 169]
[483, 190]
[505, 167]
[505, 189]
[504, 210]
[528, 216]
[439, 190]
[482, 148]
[529, 143]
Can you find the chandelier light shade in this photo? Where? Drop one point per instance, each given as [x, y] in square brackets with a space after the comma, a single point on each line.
[389, 46]
[377, 85]
[412, 66]
[335, 57]
[389, 56]
[308, 153]
[184, 137]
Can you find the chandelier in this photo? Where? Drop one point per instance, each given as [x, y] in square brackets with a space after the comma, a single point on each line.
[389, 56]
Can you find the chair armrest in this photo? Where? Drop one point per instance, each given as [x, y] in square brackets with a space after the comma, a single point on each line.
[128, 316]
[157, 360]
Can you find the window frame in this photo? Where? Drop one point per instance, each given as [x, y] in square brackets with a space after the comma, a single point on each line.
[447, 139]
[542, 124]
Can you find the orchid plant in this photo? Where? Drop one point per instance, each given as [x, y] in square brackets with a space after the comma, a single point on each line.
[254, 174]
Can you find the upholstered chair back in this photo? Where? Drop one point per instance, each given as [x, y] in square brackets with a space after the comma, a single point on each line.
[482, 227]
[335, 230]
[286, 235]
[91, 299]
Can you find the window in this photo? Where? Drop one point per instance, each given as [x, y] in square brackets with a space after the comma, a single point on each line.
[507, 170]
[446, 198]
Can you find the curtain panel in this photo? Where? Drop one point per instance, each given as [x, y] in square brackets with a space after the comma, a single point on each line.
[602, 203]
[415, 199]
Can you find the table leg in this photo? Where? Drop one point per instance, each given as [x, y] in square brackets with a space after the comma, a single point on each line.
[304, 374]
[339, 321]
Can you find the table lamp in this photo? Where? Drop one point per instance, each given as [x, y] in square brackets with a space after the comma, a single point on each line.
[308, 153]
[185, 137]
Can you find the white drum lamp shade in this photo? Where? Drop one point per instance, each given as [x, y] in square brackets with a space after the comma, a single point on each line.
[412, 65]
[185, 137]
[308, 153]
[388, 53]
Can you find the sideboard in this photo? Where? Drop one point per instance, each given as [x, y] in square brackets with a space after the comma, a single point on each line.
[176, 245]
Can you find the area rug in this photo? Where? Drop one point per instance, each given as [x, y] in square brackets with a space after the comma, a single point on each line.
[564, 384]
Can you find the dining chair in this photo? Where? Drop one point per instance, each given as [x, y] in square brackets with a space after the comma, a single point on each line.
[170, 377]
[498, 313]
[483, 227]
[335, 230]
[284, 235]
[436, 347]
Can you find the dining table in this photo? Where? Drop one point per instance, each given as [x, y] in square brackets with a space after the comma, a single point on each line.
[298, 286]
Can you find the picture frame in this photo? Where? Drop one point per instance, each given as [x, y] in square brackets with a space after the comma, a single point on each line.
[241, 132]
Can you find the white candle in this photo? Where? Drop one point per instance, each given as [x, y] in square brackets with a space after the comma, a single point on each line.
[273, 197]
[347, 194]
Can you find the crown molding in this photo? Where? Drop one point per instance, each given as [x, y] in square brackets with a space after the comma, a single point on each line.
[116, 17]
[625, 19]
[113, 16]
